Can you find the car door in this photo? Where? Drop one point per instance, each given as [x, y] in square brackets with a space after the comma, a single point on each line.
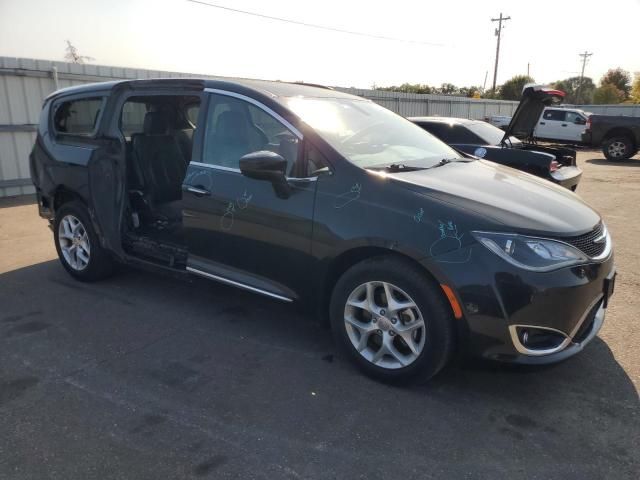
[237, 229]
[552, 125]
[576, 125]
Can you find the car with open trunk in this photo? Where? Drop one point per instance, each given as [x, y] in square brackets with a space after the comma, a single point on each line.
[411, 250]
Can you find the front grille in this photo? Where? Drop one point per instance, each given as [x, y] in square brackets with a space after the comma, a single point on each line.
[586, 244]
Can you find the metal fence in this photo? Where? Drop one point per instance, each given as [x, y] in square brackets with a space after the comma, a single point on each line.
[625, 110]
[24, 83]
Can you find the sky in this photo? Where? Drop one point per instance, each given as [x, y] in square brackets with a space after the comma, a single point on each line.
[450, 41]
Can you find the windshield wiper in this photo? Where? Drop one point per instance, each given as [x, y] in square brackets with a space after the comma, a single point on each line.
[445, 161]
[398, 167]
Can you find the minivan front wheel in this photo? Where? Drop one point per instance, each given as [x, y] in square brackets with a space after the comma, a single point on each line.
[392, 320]
[77, 244]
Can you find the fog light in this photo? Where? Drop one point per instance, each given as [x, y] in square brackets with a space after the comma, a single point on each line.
[532, 340]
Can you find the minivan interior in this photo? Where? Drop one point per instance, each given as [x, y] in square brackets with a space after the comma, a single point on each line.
[158, 131]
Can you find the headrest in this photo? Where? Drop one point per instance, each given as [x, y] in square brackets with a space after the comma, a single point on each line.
[231, 126]
[155, 123]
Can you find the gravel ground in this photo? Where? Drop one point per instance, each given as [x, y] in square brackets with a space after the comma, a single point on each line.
[148, 377]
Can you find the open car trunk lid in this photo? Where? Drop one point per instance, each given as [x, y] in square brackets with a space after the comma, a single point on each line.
[534, 99]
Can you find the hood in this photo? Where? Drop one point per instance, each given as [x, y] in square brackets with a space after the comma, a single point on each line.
[534, 99]
[518, 201]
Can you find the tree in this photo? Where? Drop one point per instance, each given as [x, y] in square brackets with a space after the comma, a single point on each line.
[570, 87]
[448, 89]
[620, 79]
[407, 88]
[608, 93]
[472, 92]
[635, 89]
[512, 88]
[73, 56]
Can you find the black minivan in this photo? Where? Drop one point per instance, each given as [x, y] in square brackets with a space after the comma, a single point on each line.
[305, 194]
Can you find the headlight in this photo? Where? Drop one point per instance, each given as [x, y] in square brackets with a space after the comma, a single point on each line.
[530, 253]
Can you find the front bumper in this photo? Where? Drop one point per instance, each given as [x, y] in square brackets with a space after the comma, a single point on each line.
[499, 299]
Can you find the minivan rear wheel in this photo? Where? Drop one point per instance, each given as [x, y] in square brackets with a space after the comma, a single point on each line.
[77, 244]
[392, 320]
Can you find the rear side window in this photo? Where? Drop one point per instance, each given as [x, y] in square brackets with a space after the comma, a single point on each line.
[132, 119]
[558, 115]
[443, 131]
[77, 117]
[192, 113]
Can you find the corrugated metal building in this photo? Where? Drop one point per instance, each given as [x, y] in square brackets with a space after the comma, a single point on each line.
[24, 83]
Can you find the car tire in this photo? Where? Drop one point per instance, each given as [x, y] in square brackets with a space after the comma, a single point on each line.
[78, 246]
[616, 149]
[362, 332]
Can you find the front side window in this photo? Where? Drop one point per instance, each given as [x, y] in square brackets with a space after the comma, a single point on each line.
[556, 115]
[235, 128]
[77, 117]
[573, 117]
[369, 135]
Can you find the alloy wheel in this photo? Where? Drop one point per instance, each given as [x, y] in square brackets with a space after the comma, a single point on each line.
[617, 149]
[74, 242]
[384, 325]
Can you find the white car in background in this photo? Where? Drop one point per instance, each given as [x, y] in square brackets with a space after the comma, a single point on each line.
[562, 124]
[500, 121]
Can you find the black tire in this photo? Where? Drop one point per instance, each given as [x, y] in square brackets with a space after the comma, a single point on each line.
[100, 263]
[617, 149]
[427, 295]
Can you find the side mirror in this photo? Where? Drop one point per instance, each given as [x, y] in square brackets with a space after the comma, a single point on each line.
[580, 121]
[267, 165]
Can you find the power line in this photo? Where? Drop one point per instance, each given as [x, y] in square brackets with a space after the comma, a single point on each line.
[498, 33]
[313, 25]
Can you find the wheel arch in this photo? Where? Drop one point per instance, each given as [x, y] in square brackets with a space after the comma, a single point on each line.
[621, 132]
[63, 194]
[347, 259]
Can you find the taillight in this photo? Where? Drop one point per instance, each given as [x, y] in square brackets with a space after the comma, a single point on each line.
[554, 165]
[588, 125]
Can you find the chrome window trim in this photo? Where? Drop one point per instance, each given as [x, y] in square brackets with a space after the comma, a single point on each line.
[243, 286]
[237, 170]
[262, 106]
[216, 167]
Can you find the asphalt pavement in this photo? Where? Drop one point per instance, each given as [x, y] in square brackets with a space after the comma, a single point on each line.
[150, 377]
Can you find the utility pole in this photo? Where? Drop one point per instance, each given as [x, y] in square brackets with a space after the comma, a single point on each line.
[498, 33]
[585, 56]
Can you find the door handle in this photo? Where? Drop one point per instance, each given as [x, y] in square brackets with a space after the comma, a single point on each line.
[564, 124]
[542, 123]
[196, 190]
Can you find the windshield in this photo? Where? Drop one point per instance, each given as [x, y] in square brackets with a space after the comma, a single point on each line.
[369, 135]
[490, 134]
